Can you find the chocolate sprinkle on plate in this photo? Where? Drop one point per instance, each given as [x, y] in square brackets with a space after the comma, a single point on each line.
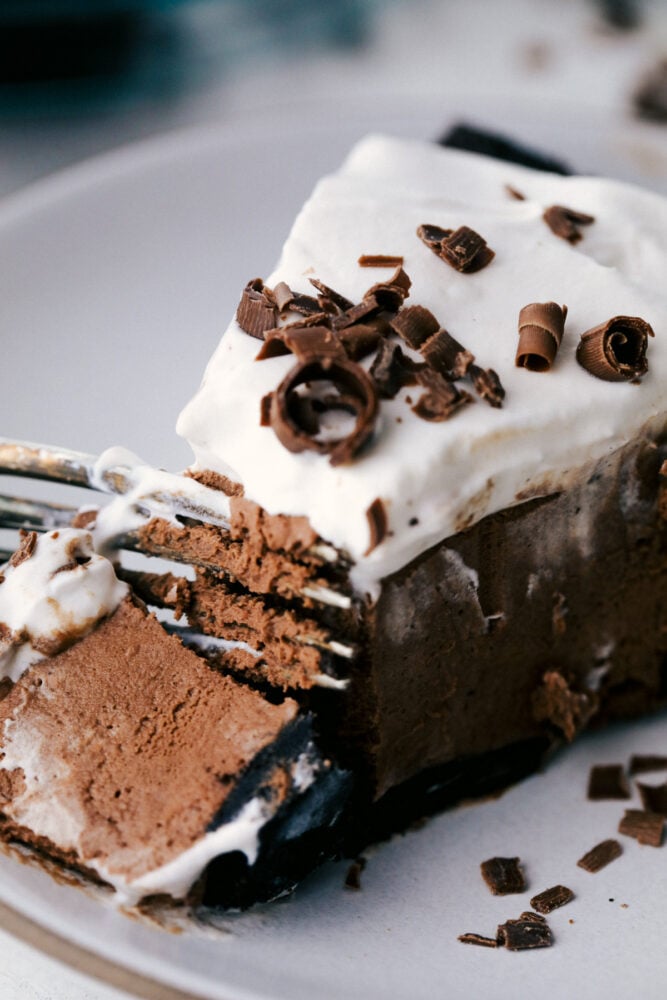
[607, 781]
[654, 797]
[641, 763]
[552, 899]
[530, 931]
[565, 222]
[503, 876]
[541, 327]
[646, 827]
[378, 524]
[600, 856]
[379, 260]
[615, 351]
[479, 939]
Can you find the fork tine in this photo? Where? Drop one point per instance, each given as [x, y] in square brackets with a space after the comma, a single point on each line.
[33, 515]
[36, 461]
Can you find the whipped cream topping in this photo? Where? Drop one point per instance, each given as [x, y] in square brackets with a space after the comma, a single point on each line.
[437, 478]
[53, 597]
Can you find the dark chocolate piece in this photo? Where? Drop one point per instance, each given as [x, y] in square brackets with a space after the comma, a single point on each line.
[646, 827]
[415, 325]
[445, 355]
[353, 875]
[380, 260]
[565, 222]
[487, 384]
[442, 398]
[352, 383]
[479, 939]
[641, 763]
[338, 300]
[257, 311]
[552, 899]
[600, 856]
[479, 140]
[464, 249]
[541, 326]
[378, 524]
[392, 369]
[503, 876]
[530, 931]
[654, 797]
[615, 351]
[607, 781]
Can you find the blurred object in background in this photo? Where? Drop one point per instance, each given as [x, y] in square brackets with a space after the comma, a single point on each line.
[623, 14]
[66, 57]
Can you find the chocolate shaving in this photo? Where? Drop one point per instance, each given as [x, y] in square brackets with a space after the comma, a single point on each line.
[391, 294]
[487, 384]
[541, 326]
[464, 249]
[641, 763]
[25, 549]
[503, 876]
[607, 781]
[479, 939]
[338, 300]
[379, 260]
[378, 524]
[414, 324]
[654, 797]
[283, 295]
[257, 311]
[615, 351]
[513, 193]
[565, 222]
[446, 355]
[552, 899]
[302, 340]
[441, 400]
[351, 381]
[392, 369]
[304, 304]
[361, 340]
[364, 310]
[600, 856]
[265, 410]
[529, 931]
[646, 827]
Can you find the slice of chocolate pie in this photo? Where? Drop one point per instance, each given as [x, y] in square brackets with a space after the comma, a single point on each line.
[440, 543]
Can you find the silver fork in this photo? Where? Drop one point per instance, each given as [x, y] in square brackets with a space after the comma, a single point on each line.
[169, 494]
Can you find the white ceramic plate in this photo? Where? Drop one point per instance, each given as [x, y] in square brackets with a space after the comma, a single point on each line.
[116, 279]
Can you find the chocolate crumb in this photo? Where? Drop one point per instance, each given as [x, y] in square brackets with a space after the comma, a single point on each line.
[654, 797]
[607, 781]
[600, 856]
[552, 899]
[380, 260]
[25, 549]
[529, 931]
[646, 827]
[503, 876]
[565, 222]
[377, 524]
[257, 311]
[641, 763]
[353, 876]
[541, 327]
[615, 351]
[479, 939]
[513, 193]
[413, 521]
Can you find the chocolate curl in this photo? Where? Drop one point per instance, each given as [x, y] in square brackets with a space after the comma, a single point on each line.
[392, 369]
[414, 324]
[378, 524]
[356, 391]
[283, 295]
[329, 293]
[615, 351]
[541, 326]
[445, 355]
[565, 222]
[487, 385]
[464, 249]
[442, 398]
[257, 311]
[303, 341]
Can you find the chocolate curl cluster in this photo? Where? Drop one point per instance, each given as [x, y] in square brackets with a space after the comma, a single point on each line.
[615, 351]
[541, 326]
[294, 416]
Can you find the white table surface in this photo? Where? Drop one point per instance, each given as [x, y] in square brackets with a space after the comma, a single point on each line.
[555, 52]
